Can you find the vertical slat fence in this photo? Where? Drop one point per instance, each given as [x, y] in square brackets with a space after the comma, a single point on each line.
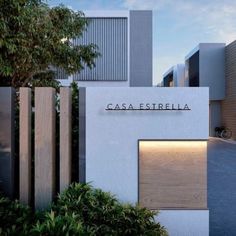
[44, 147]
[65, 137]
[25, 146]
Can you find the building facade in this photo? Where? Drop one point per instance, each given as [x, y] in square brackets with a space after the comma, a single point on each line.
[205, 67]
[126, 51]
[174, 77]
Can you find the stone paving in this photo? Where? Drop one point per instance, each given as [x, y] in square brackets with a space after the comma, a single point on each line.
[222, 187]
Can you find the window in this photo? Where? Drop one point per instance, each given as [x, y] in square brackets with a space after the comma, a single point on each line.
[193, 70]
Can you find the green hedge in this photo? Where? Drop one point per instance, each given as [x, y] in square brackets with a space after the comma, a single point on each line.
[79, 210]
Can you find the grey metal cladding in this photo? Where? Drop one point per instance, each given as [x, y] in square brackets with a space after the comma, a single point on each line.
[141, 48]
[8, 185]
[60, 73]
[111, 37]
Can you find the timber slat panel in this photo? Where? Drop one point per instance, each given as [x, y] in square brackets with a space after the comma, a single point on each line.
[65, 137]
[229, 103]
[44, 146]
[173, 174]
[25, 146]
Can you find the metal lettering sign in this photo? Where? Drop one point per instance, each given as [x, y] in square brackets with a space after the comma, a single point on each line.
[147, 107]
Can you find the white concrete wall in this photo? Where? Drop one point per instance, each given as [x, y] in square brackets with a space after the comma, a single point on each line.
[212, 69]
[112, 136]
[180, 69]
[103, 83]
[185, 222]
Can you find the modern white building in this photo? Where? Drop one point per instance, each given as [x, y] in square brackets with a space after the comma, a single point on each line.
[144, 144]
[174, 77]
[204, 67]
[126, 133]
[124, 40]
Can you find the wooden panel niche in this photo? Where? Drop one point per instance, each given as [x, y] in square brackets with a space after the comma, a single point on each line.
[173, 174]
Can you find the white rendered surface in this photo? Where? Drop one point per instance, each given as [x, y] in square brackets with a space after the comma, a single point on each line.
[185, 222]
[103, 83]
[179, 75]
[212, 69]
[112, 136]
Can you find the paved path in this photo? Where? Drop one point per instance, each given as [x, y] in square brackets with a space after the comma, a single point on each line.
[222, 187]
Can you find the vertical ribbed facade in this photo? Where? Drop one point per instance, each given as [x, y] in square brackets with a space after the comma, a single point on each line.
[125, 44]
[111, 37]
[229, 104]
[60, 73]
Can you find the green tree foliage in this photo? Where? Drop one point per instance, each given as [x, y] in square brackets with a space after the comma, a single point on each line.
[35, 38]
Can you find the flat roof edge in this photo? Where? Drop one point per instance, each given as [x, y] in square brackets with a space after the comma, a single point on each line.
[106, 13]
[193, 51]
[171, 69]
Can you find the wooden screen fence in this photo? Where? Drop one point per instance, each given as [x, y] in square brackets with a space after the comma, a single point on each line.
[44, 144]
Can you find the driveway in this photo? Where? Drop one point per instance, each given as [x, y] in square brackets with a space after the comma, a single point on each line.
[222, 187]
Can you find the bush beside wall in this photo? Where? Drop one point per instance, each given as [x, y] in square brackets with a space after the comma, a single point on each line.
[80, 210]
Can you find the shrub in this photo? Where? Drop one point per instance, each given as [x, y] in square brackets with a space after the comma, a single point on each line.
[52, 224]
[79, 210]
[101, 212]
[15, 219]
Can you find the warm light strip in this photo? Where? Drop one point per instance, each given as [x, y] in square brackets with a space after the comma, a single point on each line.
[172, 144]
